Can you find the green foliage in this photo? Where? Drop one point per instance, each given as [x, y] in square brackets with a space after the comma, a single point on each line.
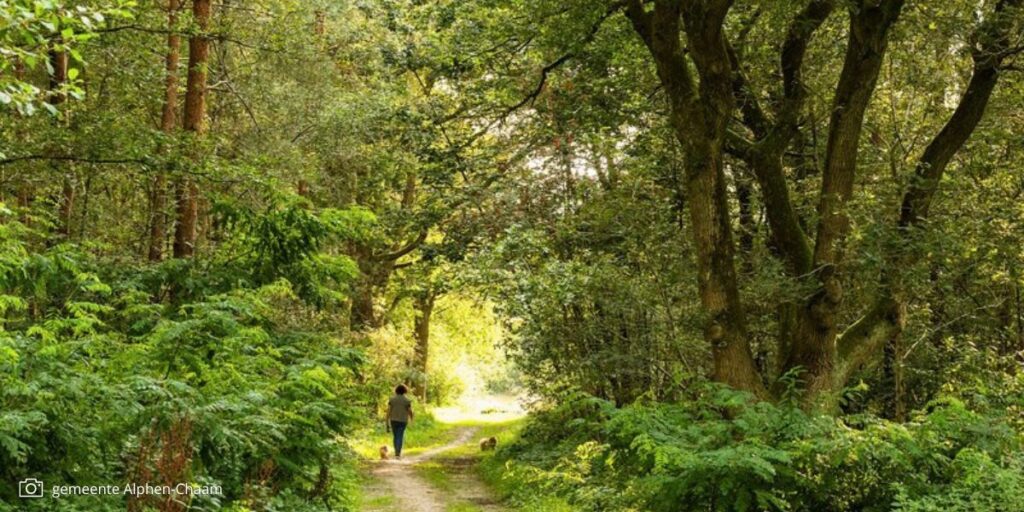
[100, 384]
[513, 160]
[288, 242]
[465, 352]
[31, 29]
[721, 452]
[589, 295]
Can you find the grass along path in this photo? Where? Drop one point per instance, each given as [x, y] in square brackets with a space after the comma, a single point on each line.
[438, 471]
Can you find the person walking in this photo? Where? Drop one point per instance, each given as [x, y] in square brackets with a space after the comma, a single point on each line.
[399, 416]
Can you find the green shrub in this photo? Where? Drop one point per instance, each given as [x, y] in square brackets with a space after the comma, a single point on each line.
[102, 383]
[723, 452]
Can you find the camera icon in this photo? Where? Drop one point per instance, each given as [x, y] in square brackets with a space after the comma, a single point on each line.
[30, 488]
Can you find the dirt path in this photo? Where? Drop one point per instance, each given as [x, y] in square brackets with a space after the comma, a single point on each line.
[396, 485]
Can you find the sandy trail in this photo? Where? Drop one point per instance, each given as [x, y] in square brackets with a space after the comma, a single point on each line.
[411, 493]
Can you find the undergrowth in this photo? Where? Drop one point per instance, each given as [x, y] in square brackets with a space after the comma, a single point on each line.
[721, 452]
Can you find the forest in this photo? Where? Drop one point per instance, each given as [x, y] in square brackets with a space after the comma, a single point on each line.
[625, 255]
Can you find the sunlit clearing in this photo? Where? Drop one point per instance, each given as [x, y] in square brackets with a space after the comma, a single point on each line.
[482, 408]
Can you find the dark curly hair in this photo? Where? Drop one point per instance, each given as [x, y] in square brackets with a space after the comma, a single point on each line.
[401, 389]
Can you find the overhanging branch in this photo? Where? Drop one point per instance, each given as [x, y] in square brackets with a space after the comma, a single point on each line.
[79, 159]
[562, 59]
[409, 247]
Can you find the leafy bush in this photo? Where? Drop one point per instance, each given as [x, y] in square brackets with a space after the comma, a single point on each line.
[102, 383]
[722, 452]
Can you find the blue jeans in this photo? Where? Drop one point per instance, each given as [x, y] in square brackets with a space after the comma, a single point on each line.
[398, 429]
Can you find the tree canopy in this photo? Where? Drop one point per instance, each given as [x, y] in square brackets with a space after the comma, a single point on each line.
[758, 255]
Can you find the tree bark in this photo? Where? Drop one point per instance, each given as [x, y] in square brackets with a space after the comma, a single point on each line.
[376, 268]
[187, 212]
[747, 226]
[813, 347]
[168, 125]
[936, 157]
[57, 97]
[363, 315]
[67, 204]
[698, 115]
[764, 156]
[884, 322]
[424, 306]
[375, 272]
[195, 121]
[25, 192]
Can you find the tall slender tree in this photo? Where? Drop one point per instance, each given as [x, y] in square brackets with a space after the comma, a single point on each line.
[423, 304]
[195, 123]
[58, 81]
[168, 125]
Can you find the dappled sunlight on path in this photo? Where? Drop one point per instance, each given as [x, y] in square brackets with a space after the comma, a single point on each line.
[442, 478]
[396, 485]
[464, 436]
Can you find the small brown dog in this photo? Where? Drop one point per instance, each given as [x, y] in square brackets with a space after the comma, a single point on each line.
[489, 443]
[384, 452]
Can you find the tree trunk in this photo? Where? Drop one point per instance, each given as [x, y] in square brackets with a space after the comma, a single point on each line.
[698, 116]
[892, 369]
[725, 328]
[884, 321]
[362, 316]
[1019, 316]
[813, 347]
[58, 79]
[168, 124]
[67, 203]
[25, 197]
[375, 272]
[83, 225]
[424, 306]
[748, 227]
[773, 135]
[187, 212]
[195, 122]
[25, 191]
[320, 22]
[158, 219]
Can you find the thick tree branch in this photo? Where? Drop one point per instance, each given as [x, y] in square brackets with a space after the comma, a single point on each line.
[544, 72]
[709, 50]
[754, 116]
[78, 159]
[860, 343]
[864, 339]
[406, 249]
[641, 20]
[765, 161]
[699, 114]
[867, 42]
[993, 41]
[814, 339]
[738, 145]
[794, 49]
[660, 30]
[774, 135]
